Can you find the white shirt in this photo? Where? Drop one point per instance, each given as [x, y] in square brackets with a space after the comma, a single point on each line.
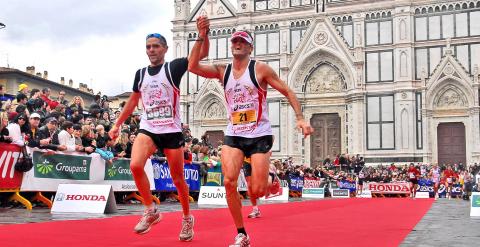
[64, 138]
[16, 134]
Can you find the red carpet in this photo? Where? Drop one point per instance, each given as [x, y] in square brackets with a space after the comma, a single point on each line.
[342, 222]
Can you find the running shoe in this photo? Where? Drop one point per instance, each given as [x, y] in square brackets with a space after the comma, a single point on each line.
[255, 213]
[241, 240]
[150, 217]
[187, 229]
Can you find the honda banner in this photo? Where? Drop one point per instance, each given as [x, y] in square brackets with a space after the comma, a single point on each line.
[388, 188]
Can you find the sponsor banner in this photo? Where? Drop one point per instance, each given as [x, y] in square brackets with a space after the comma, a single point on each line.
[61, 166]
[84, 198]
[422, 194]
[365, 194]
[313, 193]
[163, 178]
[296, 183]
[311, 183]
[9, 177]
[340, 193]
[214, 179]
[242, 182]
[456, 190]
[212, 195]
[475, 204]
[282, 195]
[98, 170]
[344, 184]
[388, 188]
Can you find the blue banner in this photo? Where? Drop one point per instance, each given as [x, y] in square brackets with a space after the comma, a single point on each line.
[163, 179]
[344, 184]
[296, 183]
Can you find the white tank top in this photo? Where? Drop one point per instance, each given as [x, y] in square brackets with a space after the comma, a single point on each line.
[160, 98]
[246, 104]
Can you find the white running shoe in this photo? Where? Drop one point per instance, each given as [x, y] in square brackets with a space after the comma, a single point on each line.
[150, 217]
[186, 234]
[255, 213]
[241, 240]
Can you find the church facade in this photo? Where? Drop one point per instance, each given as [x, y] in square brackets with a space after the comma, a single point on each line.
[392, 81]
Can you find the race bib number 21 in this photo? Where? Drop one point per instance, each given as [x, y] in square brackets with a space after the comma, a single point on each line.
[244, 117]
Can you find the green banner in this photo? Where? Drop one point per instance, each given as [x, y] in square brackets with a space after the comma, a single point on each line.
[214, 179]
[60, 166]
[314, 191]
[475, 201]
[119, 170]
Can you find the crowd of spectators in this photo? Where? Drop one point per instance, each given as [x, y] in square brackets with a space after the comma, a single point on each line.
[37, 119]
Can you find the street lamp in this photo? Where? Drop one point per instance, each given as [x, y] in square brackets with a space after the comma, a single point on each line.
[2, 25]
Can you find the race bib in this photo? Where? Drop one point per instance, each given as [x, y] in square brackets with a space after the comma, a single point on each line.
[412, 175]
[244, 117]
[160, 115]
[449, 180]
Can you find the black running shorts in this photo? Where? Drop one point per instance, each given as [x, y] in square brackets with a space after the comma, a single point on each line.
[250, 146]
[167, 140]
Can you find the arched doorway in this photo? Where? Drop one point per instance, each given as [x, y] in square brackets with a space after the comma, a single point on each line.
[451, 143]
[326, 140]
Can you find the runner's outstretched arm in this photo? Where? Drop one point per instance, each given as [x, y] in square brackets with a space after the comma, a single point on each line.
[275, 82]
[202, 45]
[127, 111]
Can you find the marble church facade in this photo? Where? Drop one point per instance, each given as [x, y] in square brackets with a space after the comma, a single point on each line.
[392, 81]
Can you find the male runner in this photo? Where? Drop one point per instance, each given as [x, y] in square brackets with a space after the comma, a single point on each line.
[413, 175]
[450, 176]
[160, 126]
[249, 133]
[435, 175]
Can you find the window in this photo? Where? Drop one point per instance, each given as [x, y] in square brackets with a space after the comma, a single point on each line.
[446, 24]
[294, 3]
[267, 40]
[379, 71]
[297, 30]
[380, 122]
[419, 123]
[345, 27]
[274, 116]
[195, 82]
[427, 59]
[378, 32]
[275, 64]
[266, 4]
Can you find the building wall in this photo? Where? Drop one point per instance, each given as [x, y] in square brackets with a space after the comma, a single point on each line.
[382, 66]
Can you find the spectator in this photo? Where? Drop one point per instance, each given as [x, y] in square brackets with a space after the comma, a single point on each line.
[120, 146]
[23, 88]
[66, 138]
[88, 139]
[101, 136]
[45, 96]
[78, 104]
[32, 136]
[4, 134]
[61, 98]
[105, 120]
[128, 150]
[49, 131]
[17, 127]
[35, 103]
[106, 152]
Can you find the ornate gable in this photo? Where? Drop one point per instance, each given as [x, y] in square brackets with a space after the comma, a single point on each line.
[210, 101]
[320, 44]
[450, 86]
[214, 9]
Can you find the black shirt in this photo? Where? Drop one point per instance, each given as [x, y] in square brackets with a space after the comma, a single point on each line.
[178, 67]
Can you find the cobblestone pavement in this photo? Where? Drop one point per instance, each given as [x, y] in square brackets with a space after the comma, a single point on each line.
[447, 223]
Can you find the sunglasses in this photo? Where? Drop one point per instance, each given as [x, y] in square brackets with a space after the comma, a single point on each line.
[158, 36]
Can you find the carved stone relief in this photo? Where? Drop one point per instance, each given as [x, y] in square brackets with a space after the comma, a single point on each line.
[403, 30]
[320, 38]
[215, 111]
[325, 79]
[450, 99]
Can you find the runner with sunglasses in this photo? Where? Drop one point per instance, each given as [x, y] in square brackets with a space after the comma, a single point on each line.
[160, 127]
[249, 133]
